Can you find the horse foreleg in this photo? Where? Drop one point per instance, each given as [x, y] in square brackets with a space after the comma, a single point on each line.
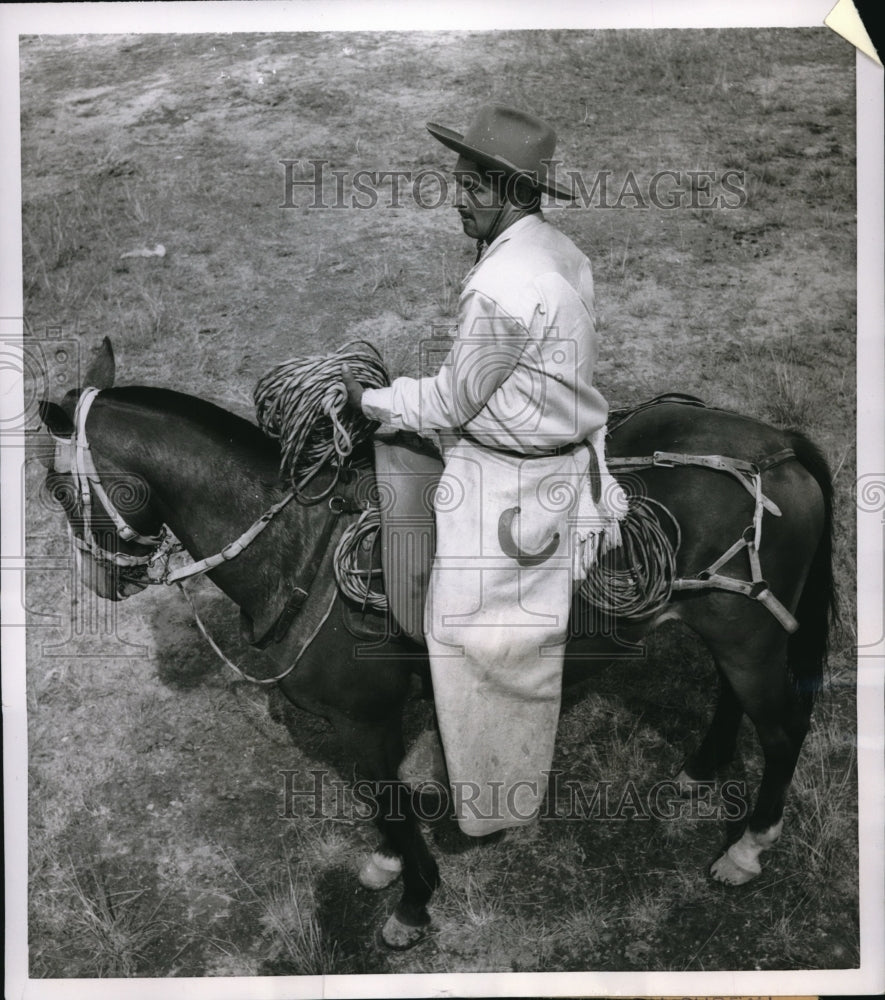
[410, 921]
[385, 864]
[718, 746]
[403, 850]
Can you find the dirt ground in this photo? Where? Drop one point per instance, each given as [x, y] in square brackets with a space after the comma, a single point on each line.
[156, 782]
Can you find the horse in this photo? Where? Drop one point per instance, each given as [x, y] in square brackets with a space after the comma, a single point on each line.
[207, 474]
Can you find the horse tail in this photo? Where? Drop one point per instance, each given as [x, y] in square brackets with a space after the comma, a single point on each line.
[818, 607]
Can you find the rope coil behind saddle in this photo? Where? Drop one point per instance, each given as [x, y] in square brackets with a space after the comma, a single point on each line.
[303, 403]
[635, 580]
[632, 582]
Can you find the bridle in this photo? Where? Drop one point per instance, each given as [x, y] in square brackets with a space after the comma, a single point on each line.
[86, 483]
[162, 546]
[154, 566]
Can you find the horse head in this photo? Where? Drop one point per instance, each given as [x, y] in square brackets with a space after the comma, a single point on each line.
[112, 526]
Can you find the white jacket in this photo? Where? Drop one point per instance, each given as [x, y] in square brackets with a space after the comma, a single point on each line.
[519, 376]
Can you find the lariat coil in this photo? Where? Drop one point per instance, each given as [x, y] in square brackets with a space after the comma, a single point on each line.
[635, 580]
[354, 564]
[303, 403]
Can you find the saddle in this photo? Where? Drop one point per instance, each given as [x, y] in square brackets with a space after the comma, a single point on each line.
[407, 472]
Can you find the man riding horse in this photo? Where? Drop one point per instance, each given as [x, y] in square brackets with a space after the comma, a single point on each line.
[519, 424]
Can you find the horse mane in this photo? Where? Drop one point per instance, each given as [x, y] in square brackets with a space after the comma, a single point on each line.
[243, 438]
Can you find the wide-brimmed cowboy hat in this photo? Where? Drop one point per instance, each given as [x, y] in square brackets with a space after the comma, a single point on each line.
[505, 139]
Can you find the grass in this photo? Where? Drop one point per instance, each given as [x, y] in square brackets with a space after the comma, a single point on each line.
[172, 818]
[286, 914]
[823, 824]
[110, 922]
[393, 286]
[94, 913]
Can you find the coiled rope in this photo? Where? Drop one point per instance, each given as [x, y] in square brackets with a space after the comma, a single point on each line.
[631, 582]
[635, 580]
[353, 561]
[303, 403]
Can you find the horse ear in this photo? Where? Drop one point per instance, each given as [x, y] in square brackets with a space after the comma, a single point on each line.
[102, 368]
[56, 420]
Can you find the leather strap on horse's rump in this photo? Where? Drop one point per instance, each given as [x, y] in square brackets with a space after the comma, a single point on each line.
[749, 475]
[743, 471]
[776, 458]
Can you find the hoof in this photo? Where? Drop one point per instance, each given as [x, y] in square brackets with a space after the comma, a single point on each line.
[400, 936]
[729, 872]
[379, 871]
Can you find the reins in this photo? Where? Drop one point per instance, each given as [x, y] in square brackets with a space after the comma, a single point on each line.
[232, 550]
[239, 670]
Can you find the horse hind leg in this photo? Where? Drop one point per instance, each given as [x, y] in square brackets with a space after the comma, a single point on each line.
[781, 719]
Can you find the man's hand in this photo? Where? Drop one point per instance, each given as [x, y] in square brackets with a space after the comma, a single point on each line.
[354, 389]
